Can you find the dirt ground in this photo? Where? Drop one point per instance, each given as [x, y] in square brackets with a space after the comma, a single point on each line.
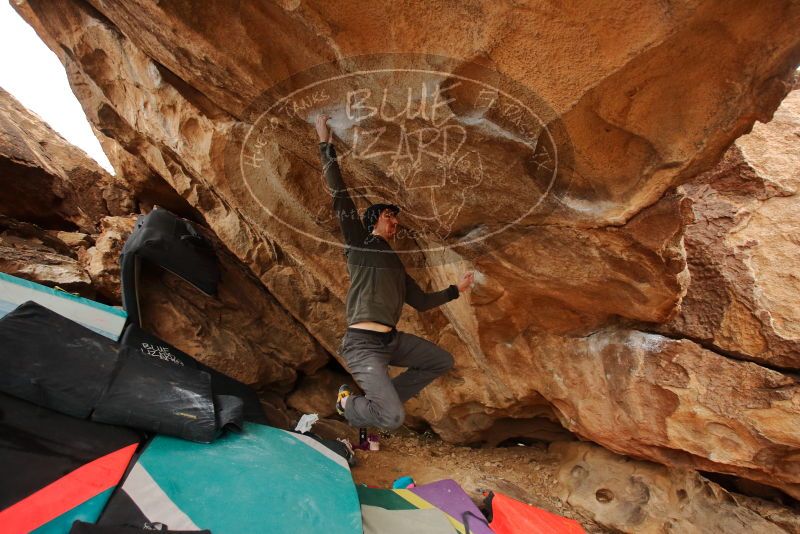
[526, 473]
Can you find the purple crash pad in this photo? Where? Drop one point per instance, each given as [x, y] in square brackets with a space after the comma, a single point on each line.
[448, 496]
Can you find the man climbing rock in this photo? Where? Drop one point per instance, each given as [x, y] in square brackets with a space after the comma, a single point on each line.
[379, 285]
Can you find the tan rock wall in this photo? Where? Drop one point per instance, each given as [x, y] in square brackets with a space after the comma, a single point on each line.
[641, 497]
[51, 185]
[742, 247]
[649, 95]
[45, 179]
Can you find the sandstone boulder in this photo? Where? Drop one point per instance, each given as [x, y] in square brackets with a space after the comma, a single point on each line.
[632, 496]
[315, 393]
[673, 402]
[28, 252]
[744, 298]
[640, 98]
[101, 261]
[48, 181]
[242, 331]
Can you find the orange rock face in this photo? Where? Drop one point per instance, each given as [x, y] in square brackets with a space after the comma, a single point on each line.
[49, 185]
[47, 180]
[53, 200]
[630, 496]
[550, 168]
[742, 247]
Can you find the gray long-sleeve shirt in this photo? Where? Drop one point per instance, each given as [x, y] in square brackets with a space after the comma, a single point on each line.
[379, 284]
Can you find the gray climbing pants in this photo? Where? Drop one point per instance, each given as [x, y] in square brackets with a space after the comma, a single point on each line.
[368, 355]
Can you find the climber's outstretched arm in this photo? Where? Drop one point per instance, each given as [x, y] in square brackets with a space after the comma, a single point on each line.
[344, 207]
[420, 300]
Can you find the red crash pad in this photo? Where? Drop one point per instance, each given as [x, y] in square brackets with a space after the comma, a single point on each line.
[510, 516]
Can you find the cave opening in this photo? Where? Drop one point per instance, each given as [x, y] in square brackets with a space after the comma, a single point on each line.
[752, 489]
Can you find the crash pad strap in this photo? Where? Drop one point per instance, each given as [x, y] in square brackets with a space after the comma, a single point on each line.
[67, 492]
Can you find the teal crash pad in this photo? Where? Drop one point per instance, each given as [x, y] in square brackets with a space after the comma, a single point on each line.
[105, 320]
[262, 480]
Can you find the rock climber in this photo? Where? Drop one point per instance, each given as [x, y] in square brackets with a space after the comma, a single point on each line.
[379, 285]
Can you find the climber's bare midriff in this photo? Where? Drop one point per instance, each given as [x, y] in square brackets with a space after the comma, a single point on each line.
[369, 325]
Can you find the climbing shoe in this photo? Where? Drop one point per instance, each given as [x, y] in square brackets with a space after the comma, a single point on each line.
[344, 392]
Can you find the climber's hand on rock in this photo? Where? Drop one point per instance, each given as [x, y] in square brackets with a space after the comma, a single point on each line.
[466, 281]
[323, 131]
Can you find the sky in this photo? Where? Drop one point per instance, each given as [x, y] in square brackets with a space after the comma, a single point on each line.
[34, 76]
